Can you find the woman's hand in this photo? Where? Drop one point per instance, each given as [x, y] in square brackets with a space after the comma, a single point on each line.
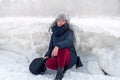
[55, 51]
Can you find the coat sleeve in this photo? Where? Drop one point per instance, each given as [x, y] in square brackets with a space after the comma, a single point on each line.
[67, 42]
[48, 53]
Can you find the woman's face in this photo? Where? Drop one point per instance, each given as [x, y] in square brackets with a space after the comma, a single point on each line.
[61, 22]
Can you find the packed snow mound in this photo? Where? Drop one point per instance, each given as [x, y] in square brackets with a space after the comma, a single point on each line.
[97, 43]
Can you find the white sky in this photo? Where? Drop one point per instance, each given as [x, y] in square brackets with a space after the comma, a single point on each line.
[51, 7]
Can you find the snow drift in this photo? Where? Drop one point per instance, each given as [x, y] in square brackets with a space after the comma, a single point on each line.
[23, 39]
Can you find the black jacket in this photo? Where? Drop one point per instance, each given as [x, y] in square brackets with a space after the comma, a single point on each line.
[63, 37]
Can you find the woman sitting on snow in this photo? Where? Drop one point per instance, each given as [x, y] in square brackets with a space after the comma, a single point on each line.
[61, 54]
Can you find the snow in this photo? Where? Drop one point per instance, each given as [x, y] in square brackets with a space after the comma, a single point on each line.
[23, 39]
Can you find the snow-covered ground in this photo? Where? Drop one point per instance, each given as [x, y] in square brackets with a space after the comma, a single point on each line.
[23, 39]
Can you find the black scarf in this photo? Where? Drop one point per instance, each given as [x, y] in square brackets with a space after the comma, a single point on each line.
[58, 31]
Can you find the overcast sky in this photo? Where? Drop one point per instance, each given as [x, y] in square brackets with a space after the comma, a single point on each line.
[51, 7]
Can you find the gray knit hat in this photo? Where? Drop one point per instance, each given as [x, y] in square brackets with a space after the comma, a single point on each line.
[62, 16]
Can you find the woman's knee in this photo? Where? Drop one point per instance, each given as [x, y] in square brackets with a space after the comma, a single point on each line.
[64, 49]
[64, 52]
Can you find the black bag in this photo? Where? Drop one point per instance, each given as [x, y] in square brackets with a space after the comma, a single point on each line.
[37, 66]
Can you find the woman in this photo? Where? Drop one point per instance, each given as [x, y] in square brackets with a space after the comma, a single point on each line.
[61, 54]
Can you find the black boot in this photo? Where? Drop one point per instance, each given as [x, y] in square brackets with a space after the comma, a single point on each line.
[60, 73]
